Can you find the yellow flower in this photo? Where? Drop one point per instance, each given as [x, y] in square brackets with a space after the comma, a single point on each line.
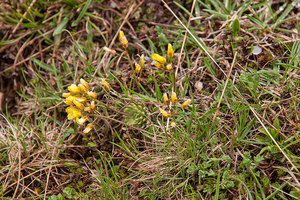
[165, 113]
[82, 88]
[169, 66]
[87, 109]
[69, 100]
[82, 120]
[92, 94]
[73, 112]
[74, 89]
[106, 85]
[173, 124]
[174, 98]
[78, 104]
[166, 99]
[85, 84]
[159, 58]
[80, 99]
[123, 40]
[137, 68]
[113, 52]
[88, 128]
[142, 60]
[158, 65]
[92, 106]
[170, 52]
[66, 94]
[185, 104]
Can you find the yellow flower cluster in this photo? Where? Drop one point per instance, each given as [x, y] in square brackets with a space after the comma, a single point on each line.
[78, 99]
[160, 60]
[140, 65]
[174, 101]
[167, 102]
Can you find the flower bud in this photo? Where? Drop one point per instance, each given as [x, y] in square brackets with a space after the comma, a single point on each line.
[85, 84]
[92, 106]
[74, 89]
[113, 52]
[82, 120]
[123, 40]
[78, 104]
[69, 100]
[158, 65]
[142, 61]
[82, 88]
[159, 58]
[137, 68]
[174, 98]
[165, 113]
[87, 109]
[80, 99]
[173, 124]
[169, 66]
[66, 94]
[170, 52]
[185, 104]
[92, 94]
[166, 99]
[73, 112]
[106, 85]
[88, 128]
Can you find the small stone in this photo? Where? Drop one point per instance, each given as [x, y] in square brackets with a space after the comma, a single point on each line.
[199, 85]
[113, 5]
[256, 50]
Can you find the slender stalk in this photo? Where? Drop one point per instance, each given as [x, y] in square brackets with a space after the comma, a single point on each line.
[129, 59]
[133, 71]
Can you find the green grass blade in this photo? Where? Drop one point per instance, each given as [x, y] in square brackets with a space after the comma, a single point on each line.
[209, 67]
[46, 67]
[284, 14]
[62, 25]
[82, 13]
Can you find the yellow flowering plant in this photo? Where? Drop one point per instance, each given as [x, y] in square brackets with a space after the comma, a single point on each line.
[165, 63]
[81, 101]
[159, 61]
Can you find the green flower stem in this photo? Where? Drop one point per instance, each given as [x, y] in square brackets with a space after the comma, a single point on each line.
[174, 106]
[133, 71]
[129, 59]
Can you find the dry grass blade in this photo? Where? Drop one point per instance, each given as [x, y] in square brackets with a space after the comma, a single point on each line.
[19, 155]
